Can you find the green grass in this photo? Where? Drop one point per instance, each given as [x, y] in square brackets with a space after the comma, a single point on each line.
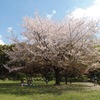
[10, 90]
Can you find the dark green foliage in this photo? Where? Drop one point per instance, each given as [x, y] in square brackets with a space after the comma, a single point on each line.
[4, 59]
[50, 76]
[20, 76]
[94, 72]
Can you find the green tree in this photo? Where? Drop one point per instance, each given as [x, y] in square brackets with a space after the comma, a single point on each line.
[4, 58]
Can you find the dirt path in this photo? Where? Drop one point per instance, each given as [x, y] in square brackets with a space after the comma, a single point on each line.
[91, 86]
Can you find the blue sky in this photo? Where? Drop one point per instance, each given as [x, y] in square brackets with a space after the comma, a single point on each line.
[13, 11]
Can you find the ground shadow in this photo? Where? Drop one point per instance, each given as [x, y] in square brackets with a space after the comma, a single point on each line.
[16, 89]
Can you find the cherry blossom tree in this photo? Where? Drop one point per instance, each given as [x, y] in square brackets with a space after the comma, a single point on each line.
[58, 44]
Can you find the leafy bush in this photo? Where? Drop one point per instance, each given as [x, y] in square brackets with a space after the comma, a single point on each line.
[50, 76]
[20, 76]
[38, 79]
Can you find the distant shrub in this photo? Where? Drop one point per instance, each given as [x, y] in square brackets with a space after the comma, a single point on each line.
[38, 79]
[50, 76]
[20, 76]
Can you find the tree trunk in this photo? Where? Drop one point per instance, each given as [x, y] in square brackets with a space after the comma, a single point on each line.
[57, 75]
[70, 80]
[66, 79]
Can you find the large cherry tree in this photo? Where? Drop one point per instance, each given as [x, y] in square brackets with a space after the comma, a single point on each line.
[65, 44]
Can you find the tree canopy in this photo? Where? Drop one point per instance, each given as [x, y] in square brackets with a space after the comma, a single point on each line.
[60, 45]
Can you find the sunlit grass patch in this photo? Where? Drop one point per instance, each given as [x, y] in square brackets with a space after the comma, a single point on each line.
[11, 90]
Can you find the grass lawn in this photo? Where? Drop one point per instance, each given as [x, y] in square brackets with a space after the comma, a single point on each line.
[10, 90]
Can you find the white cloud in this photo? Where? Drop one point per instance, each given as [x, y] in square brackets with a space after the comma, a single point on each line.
[54, 12]
[1, 41]
[93, 11]
[97, 2]
[79, 12]
[49, 16]
[10, 29]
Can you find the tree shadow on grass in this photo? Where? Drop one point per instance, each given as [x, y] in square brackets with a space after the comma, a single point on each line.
[16, 89]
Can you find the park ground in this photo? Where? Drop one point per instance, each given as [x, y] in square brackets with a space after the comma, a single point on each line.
[11, 90]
